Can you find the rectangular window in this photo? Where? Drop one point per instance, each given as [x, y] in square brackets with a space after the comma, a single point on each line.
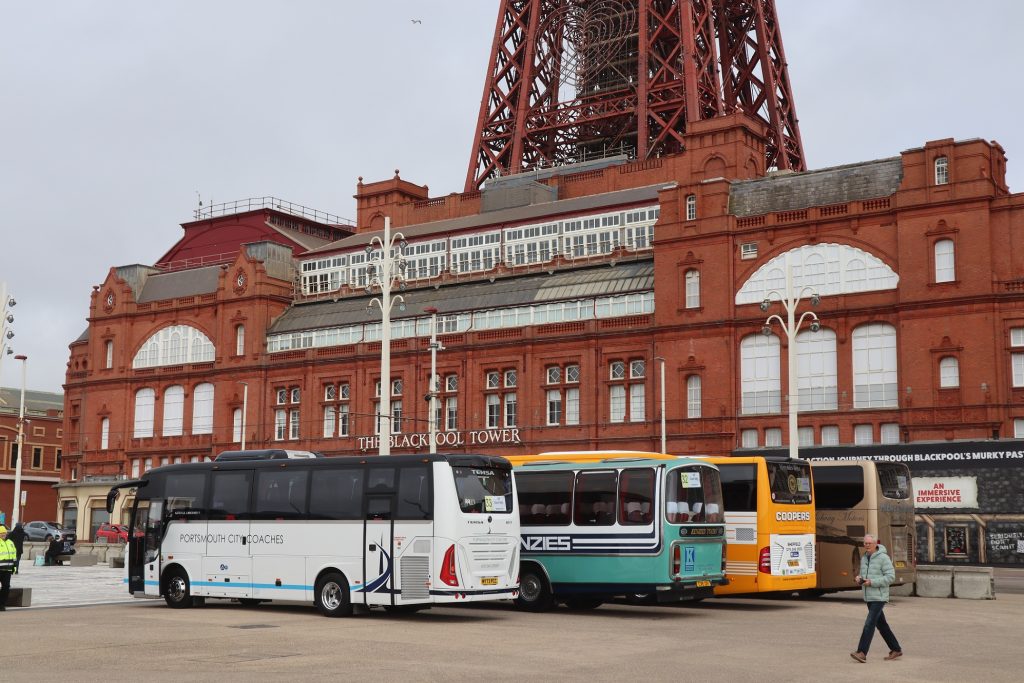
[637, 407]
[493, 410]
[572, 374]
[230, 498]
[451, 383]
[37, 458]
[451, 416]
[637, 369]
[772, 437]
[1018, 428]
[336, 494]
[396, 417]
[617, 370]
[636, 496]
[830, 435]
[510, 379]
[293, 424]
[863, 434]
[343, 420]
[280, 424]
[748, 438]
[545, 498]
[135, 469]
[595, 499]
[554, 400]
[693, 396]
[806, 436]
[890, 432]
[329, 420]
[572, 406]
[510, 410]
[281, 494]
[1017, 359]
[554, 375]
[617, 403]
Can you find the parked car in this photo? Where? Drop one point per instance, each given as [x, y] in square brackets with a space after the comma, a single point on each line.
[114, 533]
[48, 531]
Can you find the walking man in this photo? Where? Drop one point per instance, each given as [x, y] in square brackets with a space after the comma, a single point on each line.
[876, 573]
[8, 559]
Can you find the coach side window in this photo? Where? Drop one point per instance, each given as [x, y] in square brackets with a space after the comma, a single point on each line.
[230, 499]
[544, 498]
[336, 494]
[636, 496]
[595, 499]
[281, 494]
[413, 493]
[185, 491]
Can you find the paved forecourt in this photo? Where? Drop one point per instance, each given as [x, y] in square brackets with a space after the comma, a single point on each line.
[718, 640]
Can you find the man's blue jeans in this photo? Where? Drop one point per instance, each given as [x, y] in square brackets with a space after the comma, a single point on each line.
[876, 619]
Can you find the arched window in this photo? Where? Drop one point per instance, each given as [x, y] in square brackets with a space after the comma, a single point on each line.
[693, 288]
[949, 372]
[105, 433]
[941, 171]
[817, 373]
[240, 340]
[144, 400]
[174, 346]
[693, 397]
[202, 409]
[945, 261]
[830, 268]
[874, 366]
[174, 410]
[691, 207]
[761, 386]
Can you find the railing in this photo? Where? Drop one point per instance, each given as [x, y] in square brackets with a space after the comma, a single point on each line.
[813, 213]
[254, 203]
[198, 261]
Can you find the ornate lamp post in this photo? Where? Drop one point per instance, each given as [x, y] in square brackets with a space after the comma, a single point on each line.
[790, 300]
[384, 271]
[435, 346]
[6, 333]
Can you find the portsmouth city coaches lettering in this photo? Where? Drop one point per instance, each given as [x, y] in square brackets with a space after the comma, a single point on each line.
[447, 439]
[257, 539]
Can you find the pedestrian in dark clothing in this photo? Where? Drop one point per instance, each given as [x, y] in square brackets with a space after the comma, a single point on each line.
[876, 573]
[17, 536]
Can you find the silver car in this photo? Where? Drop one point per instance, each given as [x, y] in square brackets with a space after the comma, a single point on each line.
[48, 531]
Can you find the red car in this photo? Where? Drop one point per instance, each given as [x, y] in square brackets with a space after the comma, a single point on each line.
[114, 533]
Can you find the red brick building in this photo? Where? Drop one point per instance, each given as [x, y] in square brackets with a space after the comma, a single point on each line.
[43, 447]
[559, 294]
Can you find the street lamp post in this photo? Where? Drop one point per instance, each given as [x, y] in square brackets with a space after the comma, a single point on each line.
[661, 400]
[245, 407]
[383, 272]
[6, 334]
[435, 346]
[16, 510]
[791, 326]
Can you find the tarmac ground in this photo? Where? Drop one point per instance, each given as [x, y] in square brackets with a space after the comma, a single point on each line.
[108, 635]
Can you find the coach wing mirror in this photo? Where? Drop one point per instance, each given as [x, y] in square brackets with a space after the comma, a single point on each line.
[111, 499]
[115, 491]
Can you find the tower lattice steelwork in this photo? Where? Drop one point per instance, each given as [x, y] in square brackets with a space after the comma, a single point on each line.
[571, 80]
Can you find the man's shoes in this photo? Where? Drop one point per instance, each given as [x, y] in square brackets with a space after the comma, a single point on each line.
[893, 654]
[860, 656]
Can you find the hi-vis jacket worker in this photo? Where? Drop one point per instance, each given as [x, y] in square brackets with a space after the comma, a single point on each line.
[8, 557]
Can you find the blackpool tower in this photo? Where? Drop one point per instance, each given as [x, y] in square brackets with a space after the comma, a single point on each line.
[572, 80]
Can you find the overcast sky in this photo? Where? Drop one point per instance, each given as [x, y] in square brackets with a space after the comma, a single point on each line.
[116, 113]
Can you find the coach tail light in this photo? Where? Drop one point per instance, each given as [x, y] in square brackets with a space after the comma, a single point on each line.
[764, 564]
[448, 575]
[677, 562]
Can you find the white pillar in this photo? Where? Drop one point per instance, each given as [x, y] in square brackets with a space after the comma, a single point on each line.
[432, 417]
[245, 408]
[384, 420]
[16, 510]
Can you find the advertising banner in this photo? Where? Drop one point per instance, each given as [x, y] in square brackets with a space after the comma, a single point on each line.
[945, 492]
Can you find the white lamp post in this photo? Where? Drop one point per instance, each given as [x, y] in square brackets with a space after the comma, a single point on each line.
[661, 400]
[383, 272]
[435, 346]
[16, 510]
[245, 407]
[791, 326]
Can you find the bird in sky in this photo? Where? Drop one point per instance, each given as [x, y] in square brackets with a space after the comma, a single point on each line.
[417, 21]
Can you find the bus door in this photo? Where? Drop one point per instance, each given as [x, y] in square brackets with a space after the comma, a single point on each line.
[140, 539]
[378, 548]
[227, 565]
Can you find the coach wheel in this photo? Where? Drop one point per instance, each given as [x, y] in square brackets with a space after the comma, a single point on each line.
[534, 592]
[332, 596]
[580, 604]
[176, 589]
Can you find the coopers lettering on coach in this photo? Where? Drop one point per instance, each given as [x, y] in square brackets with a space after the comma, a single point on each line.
[792, 516]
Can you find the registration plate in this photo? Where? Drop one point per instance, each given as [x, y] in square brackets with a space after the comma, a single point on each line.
[489, 581]
[703, 584]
